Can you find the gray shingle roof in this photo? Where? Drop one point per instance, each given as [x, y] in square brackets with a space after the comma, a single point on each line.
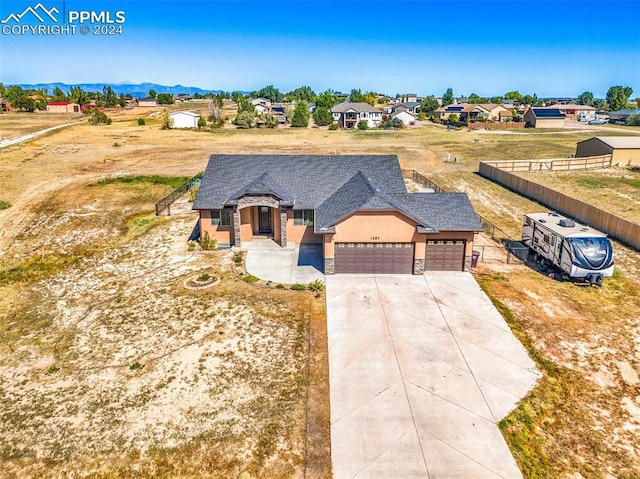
[358, 107]
[333, 186]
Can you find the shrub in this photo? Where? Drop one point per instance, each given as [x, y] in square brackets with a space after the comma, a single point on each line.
[279, 286]
[316, 286]
[298, 287]
[191, 246]
[204, 277]
[250, 279]
[4, 205]
[141, 122]
[193, 193]
[238, 258]
[97, 117]
[207, 243]
[333, 126]
[135, 366]
[202, 122]
[52, 370]
[633, 120]
[363, 125]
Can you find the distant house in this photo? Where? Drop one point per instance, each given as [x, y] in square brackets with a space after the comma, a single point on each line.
[445, 111]
[5, 105]
[483, 112]
[404, 116]
[347, 115]
[63, 107]
[544, 118]
[572, 110]
[409, 97]
[621, 116]
[147, 102]
[280, 113]
[262, 109]
[410, 106]
[261, 101]
[184, 119]
[624, 150]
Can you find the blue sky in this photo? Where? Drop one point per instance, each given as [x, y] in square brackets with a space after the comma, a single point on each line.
[552, 48]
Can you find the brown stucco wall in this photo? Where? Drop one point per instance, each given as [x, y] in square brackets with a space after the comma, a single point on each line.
[300, 234]
[246, 227]
[222, 234]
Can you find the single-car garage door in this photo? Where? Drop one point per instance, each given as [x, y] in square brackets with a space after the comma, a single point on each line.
[444, 255]
[374, 258]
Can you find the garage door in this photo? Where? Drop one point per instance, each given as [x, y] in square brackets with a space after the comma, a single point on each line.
[444, 255]
[374, 258]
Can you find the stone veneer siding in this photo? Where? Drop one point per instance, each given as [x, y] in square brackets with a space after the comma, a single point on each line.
[283, 227]
[418, 266]
[467, 263]
[249, 201]
[236, 227]
[329, 266]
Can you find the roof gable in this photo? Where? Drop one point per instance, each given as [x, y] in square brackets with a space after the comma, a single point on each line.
[265, 184]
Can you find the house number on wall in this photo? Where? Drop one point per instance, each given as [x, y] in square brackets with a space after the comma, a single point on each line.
[375, 238]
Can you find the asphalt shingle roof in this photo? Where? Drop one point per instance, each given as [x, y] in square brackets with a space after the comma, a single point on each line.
[335, 186]
[359, 107]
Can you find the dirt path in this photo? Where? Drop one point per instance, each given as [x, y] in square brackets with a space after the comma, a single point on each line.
[31, 136]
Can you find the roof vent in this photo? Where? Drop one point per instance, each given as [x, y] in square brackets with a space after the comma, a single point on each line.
[566, 223]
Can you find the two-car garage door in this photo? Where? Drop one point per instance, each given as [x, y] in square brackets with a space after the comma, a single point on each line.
[383, 258]
[397, 258]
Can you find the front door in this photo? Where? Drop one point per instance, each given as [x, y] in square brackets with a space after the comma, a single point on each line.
[264, 219]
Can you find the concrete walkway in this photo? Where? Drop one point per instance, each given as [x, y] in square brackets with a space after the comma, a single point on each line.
[421, 370]
[296, 263]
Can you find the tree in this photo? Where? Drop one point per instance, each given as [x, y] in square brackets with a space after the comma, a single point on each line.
[166, 123]
[448, 98]
[585, 98]
[302, 93]
[97, 117]
[122, 101]
[59, 95]
[270, 92]
[513, 95]
[531, 100]
[322, 116]
[356, 96]
[164, 99]
[301, 115]
[236, 96]
[429, 105]
[496, 99]
[601, 105]
[78, 95]
[19, 98]
[326, 100]
[370, 98]
[618, 97]
[245, 105]
[245, 119]
[152, 93]
[214, 104]
[110, 98]
[475, 98]
[202, 122]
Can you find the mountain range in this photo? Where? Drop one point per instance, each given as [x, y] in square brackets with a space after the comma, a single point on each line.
[136, 90]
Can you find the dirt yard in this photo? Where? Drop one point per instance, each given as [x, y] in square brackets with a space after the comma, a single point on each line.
[110, 367]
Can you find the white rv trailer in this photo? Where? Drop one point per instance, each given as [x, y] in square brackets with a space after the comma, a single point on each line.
[581, 252]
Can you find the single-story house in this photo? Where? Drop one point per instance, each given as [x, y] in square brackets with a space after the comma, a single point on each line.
[147, 102]
[404, 116]
[544, 118]
[355, 206]
[5, 105]
[444, 112]
[347, 115]
[483, 112]
[184, 119]
[573, 109]
[624, 150]
[63, 107]
[621, 116]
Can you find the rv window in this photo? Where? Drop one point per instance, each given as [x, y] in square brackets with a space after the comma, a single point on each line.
[553, 241]
[546, 238]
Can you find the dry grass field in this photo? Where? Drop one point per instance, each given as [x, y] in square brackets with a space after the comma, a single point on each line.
[110, 367]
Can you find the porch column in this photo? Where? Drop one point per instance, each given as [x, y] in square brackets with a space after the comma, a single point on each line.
[283, 227]
[236, 227]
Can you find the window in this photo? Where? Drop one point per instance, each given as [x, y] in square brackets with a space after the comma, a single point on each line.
[303, 217]
[221, 217]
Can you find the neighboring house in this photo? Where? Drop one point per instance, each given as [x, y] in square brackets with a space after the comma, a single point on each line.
[624, 150]
[261, 109]
[184, 119]
[410, 106]
[404, 116]
[573, 109]
[544, 118]
[409, 97]
[445, 111]
[147, 102]
[280, 112]
[347, 115]
[5, 105]
[63, 107]
[261, 101]
[356, 207]
[621, 116]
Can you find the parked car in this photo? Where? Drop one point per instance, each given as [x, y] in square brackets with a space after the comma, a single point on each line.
[598, 121]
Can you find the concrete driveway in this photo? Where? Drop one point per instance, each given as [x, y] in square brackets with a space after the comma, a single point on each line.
[421, 370]
[294, 264]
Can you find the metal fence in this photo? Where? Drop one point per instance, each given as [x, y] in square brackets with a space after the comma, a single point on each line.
[426, 182]
[165, 203]
[515, 250]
